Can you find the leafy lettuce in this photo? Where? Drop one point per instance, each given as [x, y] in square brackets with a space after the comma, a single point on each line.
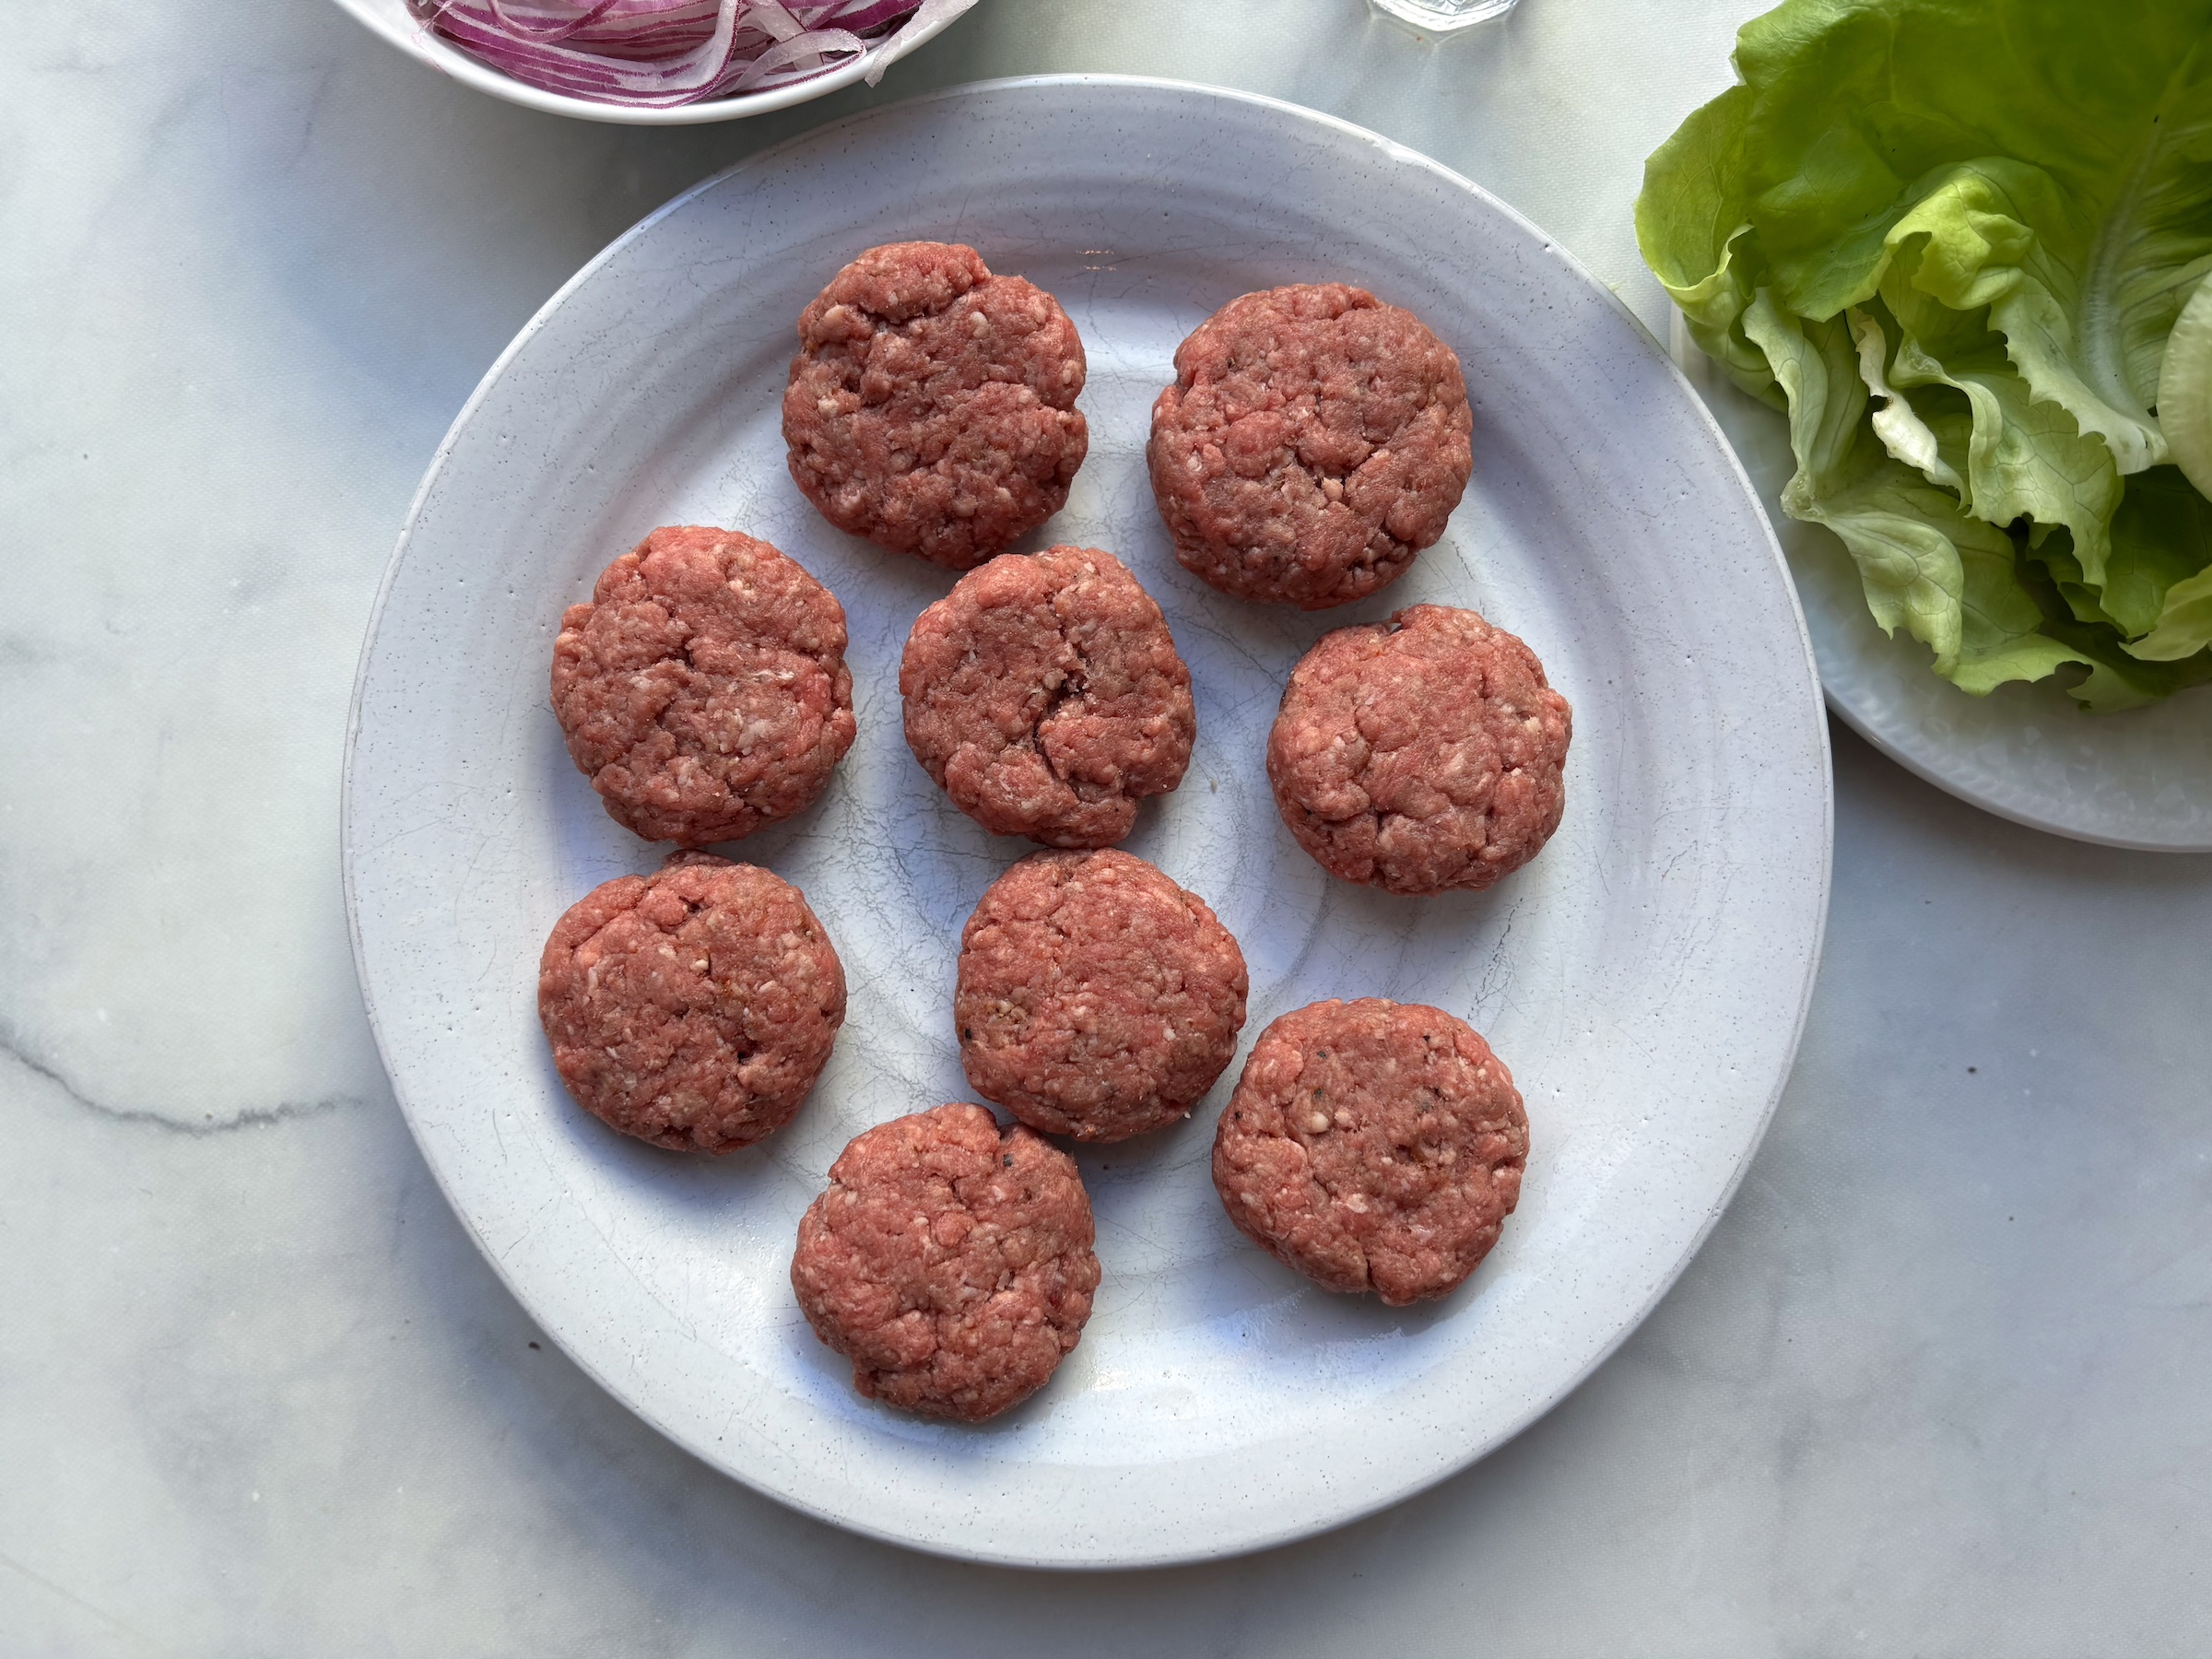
[1950, 239]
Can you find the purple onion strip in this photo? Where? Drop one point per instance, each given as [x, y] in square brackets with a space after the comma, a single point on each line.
[660, 54]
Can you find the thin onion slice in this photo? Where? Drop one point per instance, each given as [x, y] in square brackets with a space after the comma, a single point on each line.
[662, 53]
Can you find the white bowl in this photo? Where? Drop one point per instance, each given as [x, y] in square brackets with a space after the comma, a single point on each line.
[392, 20]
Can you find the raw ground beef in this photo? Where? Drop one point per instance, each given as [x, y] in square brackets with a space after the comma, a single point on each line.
[1314, 441]
[1421, 754]
[932, 405]
[703, 690]
[1372, 1146]
[1045, 695]
[693, 1008]
[950, 1261]
[1095, 998]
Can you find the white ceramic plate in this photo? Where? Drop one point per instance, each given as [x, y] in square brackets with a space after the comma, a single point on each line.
[392, 20]
[1645, 977]
[2025, 752]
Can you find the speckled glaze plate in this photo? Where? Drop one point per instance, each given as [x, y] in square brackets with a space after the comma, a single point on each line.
[1645, 977]
[2025, 752]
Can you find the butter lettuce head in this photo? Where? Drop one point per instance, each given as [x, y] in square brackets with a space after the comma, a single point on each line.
[1952, 239]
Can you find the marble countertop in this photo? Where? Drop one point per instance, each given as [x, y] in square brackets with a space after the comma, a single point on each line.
[1937, 1385]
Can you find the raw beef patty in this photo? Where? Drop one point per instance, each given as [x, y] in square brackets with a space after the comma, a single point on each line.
[1314, 441]
[693, 1008]
[703, 690]
[1096, 999]
[1372, 1146]
[1045, 695]
[932, 405]
[1421, 754]
[950, 1261]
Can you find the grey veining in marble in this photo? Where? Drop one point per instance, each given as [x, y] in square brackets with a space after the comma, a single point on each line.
[1937, 1383]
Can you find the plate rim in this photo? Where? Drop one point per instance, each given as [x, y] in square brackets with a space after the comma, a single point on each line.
[1963, 790]
[1259, 1539]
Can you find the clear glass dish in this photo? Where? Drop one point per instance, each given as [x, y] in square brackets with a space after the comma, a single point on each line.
[1442, 17]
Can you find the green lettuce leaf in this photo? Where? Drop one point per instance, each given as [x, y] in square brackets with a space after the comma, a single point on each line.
[2159, 586]
[1953, 237]
[1950, 579]
[1690, 233]
[2054, 157]
[2024, 459]
[1935, 441]
[2184, 627]
[2118, 680]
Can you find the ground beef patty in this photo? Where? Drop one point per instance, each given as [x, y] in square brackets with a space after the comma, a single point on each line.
[1095, 998]
[1313, 441]
[704, 690]
[693, 1008]
[950, 1261]
[932, 404]
[1421, 754]
[1046, 695]
[1372, 1146]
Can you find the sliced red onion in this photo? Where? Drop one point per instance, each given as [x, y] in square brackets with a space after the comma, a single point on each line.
[660, 53]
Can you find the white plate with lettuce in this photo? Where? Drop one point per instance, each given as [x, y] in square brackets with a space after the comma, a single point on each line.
[1962, 245]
